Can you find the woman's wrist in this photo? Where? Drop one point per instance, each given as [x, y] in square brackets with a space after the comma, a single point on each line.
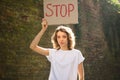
[43, 29]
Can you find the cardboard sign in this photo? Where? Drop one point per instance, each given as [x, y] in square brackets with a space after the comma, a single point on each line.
[61, 11]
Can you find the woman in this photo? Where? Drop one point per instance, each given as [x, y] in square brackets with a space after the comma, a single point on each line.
[65, 61]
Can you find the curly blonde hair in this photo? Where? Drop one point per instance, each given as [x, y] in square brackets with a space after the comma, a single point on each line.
[70, 37]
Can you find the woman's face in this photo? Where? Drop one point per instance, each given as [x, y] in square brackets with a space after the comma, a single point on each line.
[62, 39]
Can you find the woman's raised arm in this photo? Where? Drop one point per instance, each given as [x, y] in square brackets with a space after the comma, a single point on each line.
[34, 44]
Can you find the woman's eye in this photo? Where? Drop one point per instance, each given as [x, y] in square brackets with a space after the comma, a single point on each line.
[58, 36]
[64, 36]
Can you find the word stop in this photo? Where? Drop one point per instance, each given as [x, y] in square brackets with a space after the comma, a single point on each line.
[59, 10]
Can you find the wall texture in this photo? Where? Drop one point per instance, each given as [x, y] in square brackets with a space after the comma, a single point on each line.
[97, 36]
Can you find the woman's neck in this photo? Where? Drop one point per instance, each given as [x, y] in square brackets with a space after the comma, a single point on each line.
[64, 48]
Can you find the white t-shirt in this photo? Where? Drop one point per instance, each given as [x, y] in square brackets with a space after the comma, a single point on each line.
[64, 64]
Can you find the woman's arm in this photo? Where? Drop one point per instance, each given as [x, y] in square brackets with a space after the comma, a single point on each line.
[81, 71]
[34, 45]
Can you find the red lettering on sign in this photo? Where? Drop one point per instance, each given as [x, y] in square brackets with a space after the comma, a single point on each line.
[56, 6]
[70, 8]
[49, 8]
[61, 10]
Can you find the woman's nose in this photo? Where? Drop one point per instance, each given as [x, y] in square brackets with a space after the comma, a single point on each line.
[61, 39]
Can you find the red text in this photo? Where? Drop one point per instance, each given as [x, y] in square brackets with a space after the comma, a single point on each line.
[61, 10]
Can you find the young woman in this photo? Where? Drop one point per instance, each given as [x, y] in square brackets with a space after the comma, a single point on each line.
[66, 62]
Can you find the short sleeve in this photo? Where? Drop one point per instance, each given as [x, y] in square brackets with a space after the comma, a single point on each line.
[80, 57]
[51, 52]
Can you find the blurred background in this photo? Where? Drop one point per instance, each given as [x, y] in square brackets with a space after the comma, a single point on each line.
[97, 36]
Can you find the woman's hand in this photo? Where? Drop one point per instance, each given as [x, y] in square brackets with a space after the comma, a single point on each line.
[44, 24]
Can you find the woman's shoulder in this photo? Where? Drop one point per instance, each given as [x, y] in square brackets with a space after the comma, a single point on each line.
[52, 50]
[76, 50]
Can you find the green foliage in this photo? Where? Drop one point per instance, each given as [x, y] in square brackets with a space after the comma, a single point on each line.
[114, 1]
[19, 23]
[111, 22]
[111, 25]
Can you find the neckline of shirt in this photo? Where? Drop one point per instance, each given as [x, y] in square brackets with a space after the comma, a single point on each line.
[65, 50]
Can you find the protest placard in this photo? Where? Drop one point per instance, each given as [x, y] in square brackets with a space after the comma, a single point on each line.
[61, 11]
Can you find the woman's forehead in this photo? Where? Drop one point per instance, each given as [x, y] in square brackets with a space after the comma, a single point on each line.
[61, 33]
